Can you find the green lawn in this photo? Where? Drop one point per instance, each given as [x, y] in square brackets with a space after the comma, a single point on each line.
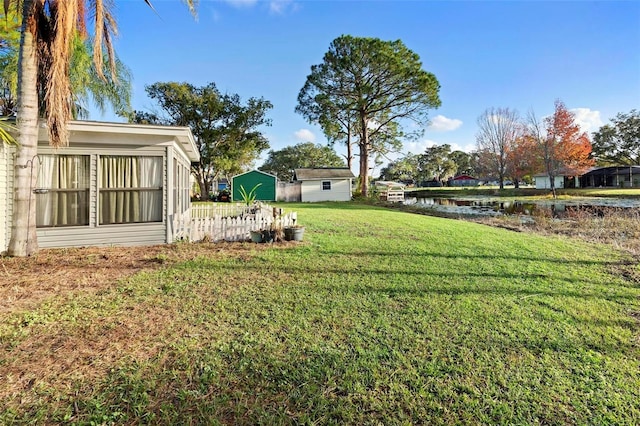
[380, 317]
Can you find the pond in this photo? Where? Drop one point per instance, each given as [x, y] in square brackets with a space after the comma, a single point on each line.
[488, 206]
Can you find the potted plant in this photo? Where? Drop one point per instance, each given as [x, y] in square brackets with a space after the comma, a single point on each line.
[248, 198]
[270, 235]
[294, 233]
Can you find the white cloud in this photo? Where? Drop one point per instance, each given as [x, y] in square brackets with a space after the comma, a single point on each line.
[440, 123]
[418, 147]
[277, 7]
[241, 3]
[281, 6]
[305, 135]
[588, 120]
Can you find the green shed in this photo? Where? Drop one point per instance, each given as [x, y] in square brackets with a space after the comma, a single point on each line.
[265, 192]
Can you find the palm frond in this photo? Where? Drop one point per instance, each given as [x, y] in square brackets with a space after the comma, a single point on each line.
[5, 129]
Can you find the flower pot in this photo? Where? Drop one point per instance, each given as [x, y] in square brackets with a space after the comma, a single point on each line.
[256, 236]
[293, 233]
[264, 236]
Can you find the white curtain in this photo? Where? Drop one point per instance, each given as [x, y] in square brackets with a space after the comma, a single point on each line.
[44, 200]
[151, 181]
[62, 190]
[130, 189]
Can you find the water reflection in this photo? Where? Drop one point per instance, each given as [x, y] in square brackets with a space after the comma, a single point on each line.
[495, 207]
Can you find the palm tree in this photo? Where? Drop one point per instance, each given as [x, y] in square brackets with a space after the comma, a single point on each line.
[46, 42]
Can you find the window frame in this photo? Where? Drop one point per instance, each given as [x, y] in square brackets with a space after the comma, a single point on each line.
[81, 192]
[100, 221]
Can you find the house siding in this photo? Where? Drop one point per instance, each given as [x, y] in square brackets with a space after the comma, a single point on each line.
[94, 139]
[311, 190]
[108, 235]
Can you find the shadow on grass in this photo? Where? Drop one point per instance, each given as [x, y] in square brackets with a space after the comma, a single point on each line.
[462, 282]
[469, 256]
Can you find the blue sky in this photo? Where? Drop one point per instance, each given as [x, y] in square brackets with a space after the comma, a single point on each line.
[516, 54]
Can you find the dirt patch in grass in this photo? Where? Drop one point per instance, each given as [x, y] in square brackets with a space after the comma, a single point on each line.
[54, 355]
[25, 282]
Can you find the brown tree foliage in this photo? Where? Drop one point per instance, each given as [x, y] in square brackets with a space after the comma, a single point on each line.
[569, 147]
[560, 145]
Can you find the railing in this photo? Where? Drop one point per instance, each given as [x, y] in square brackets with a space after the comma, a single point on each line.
[392, 195]
[235, 226]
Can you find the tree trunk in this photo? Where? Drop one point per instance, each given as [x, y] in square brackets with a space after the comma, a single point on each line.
[349, 154]
[364, 157]
[23, 240]
[202, 184]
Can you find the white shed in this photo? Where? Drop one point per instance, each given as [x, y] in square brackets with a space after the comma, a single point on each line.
[115, 184]
[324, 184]
[560, 181]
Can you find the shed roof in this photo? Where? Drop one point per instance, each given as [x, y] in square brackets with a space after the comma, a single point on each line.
[464, 177]
[323, 173]
[254, 172]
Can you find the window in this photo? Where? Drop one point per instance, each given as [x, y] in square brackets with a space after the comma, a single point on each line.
[130, 189]
[326, 185]
[181, 200]
[62, 191]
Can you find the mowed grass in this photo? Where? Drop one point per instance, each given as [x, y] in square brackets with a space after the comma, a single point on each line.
[379, 317]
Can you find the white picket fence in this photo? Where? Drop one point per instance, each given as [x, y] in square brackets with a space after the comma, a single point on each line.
[225, 209]
[233, 227]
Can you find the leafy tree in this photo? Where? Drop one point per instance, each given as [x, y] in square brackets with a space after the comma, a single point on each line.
[522, 159]
[561, 146]
[372, 84]
[618, 143]
[86, 85]
[436, 163]
[45, 52]
[463, 162]
[225, 128]
[404, 169]
[482, 164]
[498, 130]
[282, 162]
[9, 48]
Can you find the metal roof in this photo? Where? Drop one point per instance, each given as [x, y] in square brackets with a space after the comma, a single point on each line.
[614, 170]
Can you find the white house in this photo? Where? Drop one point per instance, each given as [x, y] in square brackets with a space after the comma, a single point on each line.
[115, 184]
[562, 180]
[324, 184]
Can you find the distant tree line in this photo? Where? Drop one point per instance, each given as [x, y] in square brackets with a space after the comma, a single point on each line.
[512, 148]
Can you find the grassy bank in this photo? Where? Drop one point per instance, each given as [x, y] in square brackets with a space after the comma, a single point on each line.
[379, 317]
[510, 192]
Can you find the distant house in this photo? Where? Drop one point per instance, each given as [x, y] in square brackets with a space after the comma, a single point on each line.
[115, 184]
[464, 180]
[324, 184]
[264, 183]
[562, 179]
[614, 176]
